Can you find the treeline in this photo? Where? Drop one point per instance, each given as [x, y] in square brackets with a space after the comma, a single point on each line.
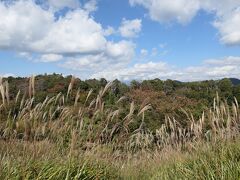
[48, 85]
[166, 97]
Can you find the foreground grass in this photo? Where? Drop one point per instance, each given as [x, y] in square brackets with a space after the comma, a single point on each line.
[21, 160]
[55, 139]
[220, 161]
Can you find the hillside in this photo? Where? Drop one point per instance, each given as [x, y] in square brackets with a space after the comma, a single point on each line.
[166, 97]
[64, 128]
[235, 81]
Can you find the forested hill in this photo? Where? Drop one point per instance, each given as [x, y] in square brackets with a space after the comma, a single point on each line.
[166, 97]
[55, 83]
[235, 81]
[47, 85]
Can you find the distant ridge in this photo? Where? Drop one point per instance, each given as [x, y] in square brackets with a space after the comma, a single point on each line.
[235, 81]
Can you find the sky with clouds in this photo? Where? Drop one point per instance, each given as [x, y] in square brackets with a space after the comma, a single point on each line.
[185, 40]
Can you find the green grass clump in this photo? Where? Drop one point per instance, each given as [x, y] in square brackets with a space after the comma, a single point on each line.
[42, 160]
[51, 169]
[220, 161]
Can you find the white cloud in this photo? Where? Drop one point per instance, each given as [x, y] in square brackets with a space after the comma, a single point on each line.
[130, 28]
[90, 6]
[165, 11]
[59, 4]
[51, 58]
[20, 24]
[109, 31]
[138, 71]
[76, 38]
[227, 13]
[127, 29]
[7, 75]
[75, 33]
[115, 56]
[231, 60]
[123, 49]
[26, 55]
[219, 7]
[81, 43]
[227, 21]
[229, 27]
[144, 52]
[214, 69]
[25, 26]
[211, 69]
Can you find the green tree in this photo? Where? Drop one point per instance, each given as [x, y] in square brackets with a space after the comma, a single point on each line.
[134, 84]
[225, 86]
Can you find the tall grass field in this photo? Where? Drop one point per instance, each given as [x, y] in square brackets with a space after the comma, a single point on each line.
[67, 137]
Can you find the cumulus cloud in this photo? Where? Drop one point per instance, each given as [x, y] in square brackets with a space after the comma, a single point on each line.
[210, 69]
[115, 56]
[25, 55]
[138, 71]
[130, 28]
[59, 4]
[77, 42]
[76, 37]
[20, 25]
[227, 13]
[90, 6]
[51, 58]
[127, 28]
[165, 11]
[220, 8]
[25, 26]
[231, 60]
[75, 33]
[229, 27]
[227, 19]
[109, 31]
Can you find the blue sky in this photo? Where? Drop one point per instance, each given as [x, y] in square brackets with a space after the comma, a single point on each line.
[124, 39]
